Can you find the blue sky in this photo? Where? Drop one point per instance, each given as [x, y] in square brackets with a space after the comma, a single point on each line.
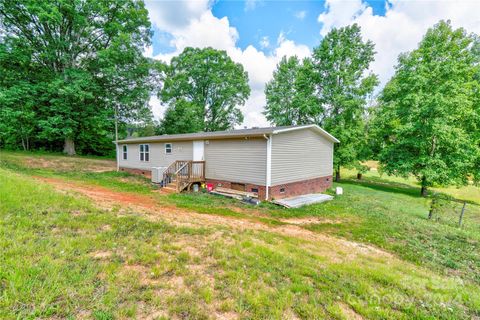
[258, 33]
[298, 20]
[261, 22]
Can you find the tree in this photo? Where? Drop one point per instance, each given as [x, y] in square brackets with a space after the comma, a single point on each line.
[183, 117]
[73, 45]
[430, 111]
[290, 94]
[341, 62]
[17, 107]
[203, 89]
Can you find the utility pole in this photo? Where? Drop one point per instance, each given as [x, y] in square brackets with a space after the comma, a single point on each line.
[116, 137]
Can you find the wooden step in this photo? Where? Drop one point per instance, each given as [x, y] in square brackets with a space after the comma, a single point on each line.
[169, 189]
[236, 192]
[171, 185]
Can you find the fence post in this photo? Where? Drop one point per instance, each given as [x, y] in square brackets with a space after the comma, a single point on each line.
[432, 207]
[461, 214]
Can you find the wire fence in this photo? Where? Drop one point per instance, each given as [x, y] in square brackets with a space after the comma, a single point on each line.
[455, 212]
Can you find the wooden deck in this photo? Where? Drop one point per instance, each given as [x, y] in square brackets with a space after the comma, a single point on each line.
[182, 174]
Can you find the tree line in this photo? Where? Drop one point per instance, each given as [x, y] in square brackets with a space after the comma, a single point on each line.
[425, 122]
[73, 75]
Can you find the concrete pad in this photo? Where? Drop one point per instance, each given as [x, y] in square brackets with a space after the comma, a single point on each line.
[303, 200]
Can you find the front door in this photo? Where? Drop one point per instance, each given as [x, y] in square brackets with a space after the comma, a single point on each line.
[198, 150]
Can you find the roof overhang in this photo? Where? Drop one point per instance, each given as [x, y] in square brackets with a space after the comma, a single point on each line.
[240, 134]
[168, 138]
[309, 126]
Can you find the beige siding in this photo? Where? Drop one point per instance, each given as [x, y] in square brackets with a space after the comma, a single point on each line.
[300, 155]
[237, 160]
[182, 150]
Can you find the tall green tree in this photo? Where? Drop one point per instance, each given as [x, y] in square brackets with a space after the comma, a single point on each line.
[203, 89]
[87, 54]
[430, 111]
[17, 108]
[343, 84]
[290, 95]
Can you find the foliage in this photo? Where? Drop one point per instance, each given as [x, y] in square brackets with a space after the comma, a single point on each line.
[290, 94]
[430, 111]
[203, 89]
[340, 63]
[182, 117]
[329, 89]
[72, 64]
[17, 108]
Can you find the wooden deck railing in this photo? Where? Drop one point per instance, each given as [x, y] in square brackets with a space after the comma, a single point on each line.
[184, 173]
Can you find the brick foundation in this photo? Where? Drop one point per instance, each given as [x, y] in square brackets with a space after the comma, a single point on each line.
[289, 189]
[300, 187]
[144, 172]
[248, 186]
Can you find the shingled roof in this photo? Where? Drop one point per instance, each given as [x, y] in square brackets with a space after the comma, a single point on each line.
[237, 133]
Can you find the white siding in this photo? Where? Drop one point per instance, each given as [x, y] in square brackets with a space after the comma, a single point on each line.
[300, 155]
[181, 150]
[237, 160]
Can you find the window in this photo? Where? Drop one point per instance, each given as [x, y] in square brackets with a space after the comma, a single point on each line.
[124, 152]
[282, 190]
[144, 152]
[255, 190]
[168, 148]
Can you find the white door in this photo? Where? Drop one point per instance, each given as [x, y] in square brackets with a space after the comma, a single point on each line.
[198, 150]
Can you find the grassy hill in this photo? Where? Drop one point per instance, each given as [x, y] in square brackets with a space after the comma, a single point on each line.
[82, 241]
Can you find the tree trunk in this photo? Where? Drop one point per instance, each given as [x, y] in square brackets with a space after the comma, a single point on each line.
[23, 145]
[337, 175]
[359, 176]
[69, 146]
[424, 191]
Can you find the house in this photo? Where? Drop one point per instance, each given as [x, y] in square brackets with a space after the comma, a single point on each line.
[274, 162]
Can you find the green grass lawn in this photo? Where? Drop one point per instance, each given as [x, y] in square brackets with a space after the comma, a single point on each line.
[469, 193]
[63, 257]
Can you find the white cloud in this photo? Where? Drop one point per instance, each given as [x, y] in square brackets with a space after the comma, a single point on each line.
[402, 27]
[157, 108]
[204, 30]
[300, 14]
[191, 23]
[169, 15]
[264, 42]
[251, 4]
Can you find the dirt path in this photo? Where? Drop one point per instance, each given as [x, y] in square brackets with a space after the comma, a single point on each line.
[335, 248]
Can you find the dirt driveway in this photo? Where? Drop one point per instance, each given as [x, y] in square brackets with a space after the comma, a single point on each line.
[335, 248]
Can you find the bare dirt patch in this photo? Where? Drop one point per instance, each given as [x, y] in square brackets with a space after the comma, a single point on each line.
[101, 255]
[226, 315]
[311, 220]
[348, 312]
[335, 248]
[70, 164]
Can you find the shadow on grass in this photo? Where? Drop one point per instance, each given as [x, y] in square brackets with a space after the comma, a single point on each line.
[385, 186]
[403, 188]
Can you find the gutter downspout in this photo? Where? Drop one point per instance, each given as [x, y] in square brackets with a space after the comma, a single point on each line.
[268, 181]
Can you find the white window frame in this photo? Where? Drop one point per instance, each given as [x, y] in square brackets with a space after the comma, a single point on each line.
[171, 148]
[140, 152]
[124, 152]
